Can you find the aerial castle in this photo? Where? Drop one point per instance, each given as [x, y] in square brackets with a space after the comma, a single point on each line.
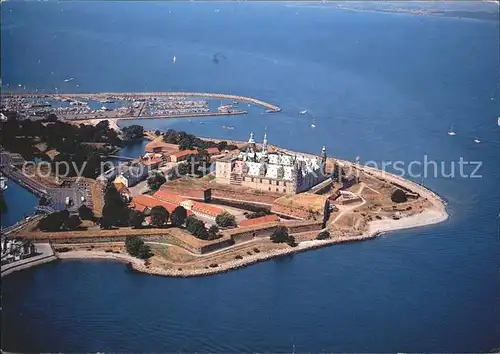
[271, 172]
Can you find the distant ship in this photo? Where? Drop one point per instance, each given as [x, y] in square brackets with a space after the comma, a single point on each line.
[451, 132]
[477, 141]
[313, 124]
[69, 79]
[202, 123]
[230, 127]
[174, 59]
[190, 121]
[303, 111]
[3, 183]
[498, 121]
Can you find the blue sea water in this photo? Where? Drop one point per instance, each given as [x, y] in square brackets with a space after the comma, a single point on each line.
[382, 86]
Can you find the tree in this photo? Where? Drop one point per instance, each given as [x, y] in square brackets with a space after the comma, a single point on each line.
[280, 235]
[133, 132]
[54, 221]
[114, 211]
[136, 219]
[197, 228]
[155, 180]
[159, 216]
[213, 232]
[72, 223]
[105, 224]
[178, 216]
[86, 213]
[222, 145]
[323, 235]
[225, 220]
[399, 196]
[51, 118]
[183, 168]
[185, 144]
[291, 241]
[144, 251]
[137, 248]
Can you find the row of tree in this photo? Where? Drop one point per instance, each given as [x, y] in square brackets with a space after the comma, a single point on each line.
[21, 136]
[188, 141]
[59, 221]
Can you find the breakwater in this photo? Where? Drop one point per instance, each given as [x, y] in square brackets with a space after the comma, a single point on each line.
[142, 95]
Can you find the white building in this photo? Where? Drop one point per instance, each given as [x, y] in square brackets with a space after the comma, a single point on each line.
[273, 172]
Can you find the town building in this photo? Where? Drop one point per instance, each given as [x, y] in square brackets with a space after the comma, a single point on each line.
[144, 203]
[200, 209]
[182, 155]
[133, 175]
[120, 187]
[170, 201]
[271, 171]
[159, 146]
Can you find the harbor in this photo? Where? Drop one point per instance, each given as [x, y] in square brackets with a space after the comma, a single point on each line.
[129, 105]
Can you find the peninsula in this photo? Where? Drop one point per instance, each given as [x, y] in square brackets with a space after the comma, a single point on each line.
[193, 206]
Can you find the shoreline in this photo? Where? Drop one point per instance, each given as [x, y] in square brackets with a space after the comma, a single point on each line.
[375, 229]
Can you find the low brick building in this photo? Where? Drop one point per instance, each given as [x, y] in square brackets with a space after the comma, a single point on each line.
[258, 221]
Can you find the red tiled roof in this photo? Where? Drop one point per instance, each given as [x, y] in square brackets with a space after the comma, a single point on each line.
[184, 153]
[212, 150]
[143, 201]
[205, 208]
[261, 220]
[152, 161]
[167, 196]
[157, 143]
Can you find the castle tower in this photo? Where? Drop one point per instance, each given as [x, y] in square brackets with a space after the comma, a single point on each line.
[251, 140]
[264, 157]
[323, 159]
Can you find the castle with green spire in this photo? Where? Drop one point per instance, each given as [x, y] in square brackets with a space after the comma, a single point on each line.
[271, 171]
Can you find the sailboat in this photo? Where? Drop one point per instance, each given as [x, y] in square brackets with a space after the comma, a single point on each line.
[451, 132]
[303, 111]
[174, 59]
[313, 124]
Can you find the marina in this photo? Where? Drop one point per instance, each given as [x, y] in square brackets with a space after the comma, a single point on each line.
[114, 106]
